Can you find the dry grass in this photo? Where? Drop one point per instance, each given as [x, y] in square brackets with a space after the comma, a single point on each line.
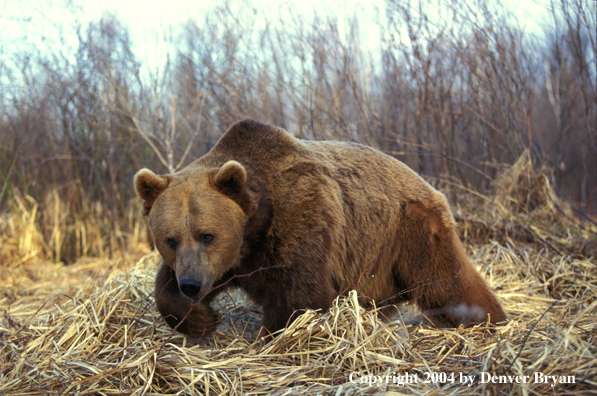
[92, 328]
[527, 210]
[60, 233]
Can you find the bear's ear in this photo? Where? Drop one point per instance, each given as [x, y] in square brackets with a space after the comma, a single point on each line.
[149, 186]
[231, 178]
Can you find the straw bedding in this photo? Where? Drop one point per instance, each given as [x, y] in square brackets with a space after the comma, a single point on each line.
[92, 328]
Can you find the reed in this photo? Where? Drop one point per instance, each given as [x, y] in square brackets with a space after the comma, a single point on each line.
[59, 234]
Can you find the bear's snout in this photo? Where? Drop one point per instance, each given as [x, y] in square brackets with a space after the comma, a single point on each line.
[190, 288]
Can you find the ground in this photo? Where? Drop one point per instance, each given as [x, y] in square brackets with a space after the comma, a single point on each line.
[92, 328]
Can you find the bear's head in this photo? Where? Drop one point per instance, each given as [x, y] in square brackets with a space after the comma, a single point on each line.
[197, 218]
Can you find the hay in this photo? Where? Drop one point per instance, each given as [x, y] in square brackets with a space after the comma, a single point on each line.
[92, 327]
[101, 334]
[526, 209]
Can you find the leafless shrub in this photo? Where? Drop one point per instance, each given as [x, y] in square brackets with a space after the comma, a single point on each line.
[459, 97]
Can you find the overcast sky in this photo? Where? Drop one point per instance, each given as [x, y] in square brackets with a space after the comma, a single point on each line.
[51, 24]
[32, 20]
[27, 25]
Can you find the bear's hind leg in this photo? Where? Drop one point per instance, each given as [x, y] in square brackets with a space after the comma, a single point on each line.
[196, 319]
[437, 274]
[463, 296]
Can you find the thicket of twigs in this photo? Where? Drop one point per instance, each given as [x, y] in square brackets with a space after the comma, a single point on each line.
[458, 96]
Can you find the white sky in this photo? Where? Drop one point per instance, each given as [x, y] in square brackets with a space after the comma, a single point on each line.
[27, 18]
[32, 24]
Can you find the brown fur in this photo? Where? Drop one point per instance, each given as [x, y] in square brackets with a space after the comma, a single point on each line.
[323, 215]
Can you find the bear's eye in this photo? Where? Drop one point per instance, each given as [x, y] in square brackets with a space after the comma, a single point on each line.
[206, 238]
[172, 243]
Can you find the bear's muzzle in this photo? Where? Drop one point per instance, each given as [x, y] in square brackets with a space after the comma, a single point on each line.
[190, 288]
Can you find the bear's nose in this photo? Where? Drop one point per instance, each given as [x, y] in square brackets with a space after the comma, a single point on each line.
[190, 288]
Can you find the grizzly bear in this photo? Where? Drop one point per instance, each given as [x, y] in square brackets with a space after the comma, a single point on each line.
[295, 223]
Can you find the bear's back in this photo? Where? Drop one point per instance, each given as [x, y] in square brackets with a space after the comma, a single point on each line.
[275, 151]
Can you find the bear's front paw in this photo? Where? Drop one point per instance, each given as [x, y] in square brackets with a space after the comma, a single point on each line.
[193, 319]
